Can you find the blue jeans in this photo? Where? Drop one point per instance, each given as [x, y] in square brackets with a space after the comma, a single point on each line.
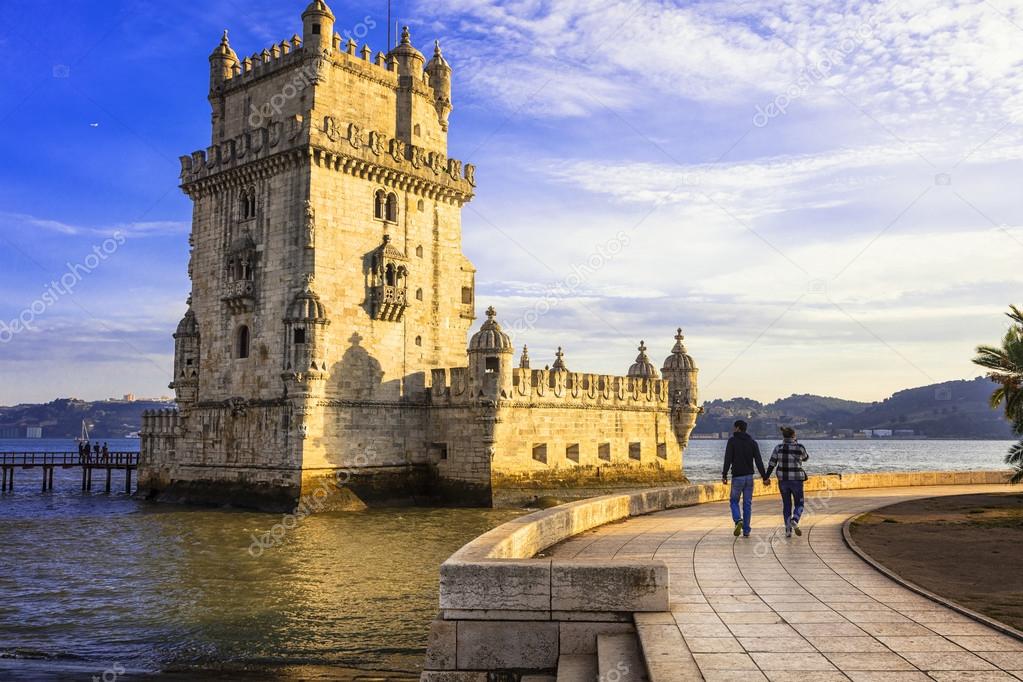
[791, 501]
[742, 485]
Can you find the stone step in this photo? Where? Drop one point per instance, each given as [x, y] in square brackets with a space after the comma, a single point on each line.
[665, 653]
[577, 668]
[620, 659]
[538, 678]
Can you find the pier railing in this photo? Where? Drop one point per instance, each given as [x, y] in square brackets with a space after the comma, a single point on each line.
[49, 461]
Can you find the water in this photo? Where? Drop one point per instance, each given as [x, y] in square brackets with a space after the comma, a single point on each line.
[90, 582]
[703, 458]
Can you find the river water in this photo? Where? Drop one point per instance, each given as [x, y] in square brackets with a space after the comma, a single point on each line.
[96, 583]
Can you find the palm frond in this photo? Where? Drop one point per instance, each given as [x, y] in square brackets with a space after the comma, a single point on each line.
[1015, 459]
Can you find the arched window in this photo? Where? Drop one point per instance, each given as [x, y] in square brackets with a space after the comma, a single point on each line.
[418, 130]
[249, 204]
[392, 207]
[389, 275]
[419, 251]
[242, 342]
[419, 294]
[419, 340]
[380, 205]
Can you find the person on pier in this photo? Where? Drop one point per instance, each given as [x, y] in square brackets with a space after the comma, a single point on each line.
[106, 453]
[741, 454]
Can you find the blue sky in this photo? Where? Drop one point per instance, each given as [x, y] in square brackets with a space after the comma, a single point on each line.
[822, 194]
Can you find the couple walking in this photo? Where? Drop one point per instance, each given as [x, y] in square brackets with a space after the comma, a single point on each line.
[742, 454]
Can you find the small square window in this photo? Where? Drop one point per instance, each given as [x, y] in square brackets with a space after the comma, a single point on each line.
[662, 450]
[316, 29]
[439, 451]
[493, 365]
[636, 451]
[299, 336]
[604, 452]
[540, 453]
[572, 452]
[466, 295]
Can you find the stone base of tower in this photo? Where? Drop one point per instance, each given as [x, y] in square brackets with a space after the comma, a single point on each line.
[576, 483]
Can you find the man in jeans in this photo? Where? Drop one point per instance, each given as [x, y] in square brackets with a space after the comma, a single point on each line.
[741, 454]
[788, 458]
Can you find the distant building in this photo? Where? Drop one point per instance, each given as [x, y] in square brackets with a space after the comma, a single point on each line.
[129, 397]
[883, 433]
[10, 431]
[34, 432]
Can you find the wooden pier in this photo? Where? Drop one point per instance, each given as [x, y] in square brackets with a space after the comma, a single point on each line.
[49, 461]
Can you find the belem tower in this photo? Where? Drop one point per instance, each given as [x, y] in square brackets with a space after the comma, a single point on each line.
[327, 333]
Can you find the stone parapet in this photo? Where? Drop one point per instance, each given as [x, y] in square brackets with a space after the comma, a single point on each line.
[502, 576]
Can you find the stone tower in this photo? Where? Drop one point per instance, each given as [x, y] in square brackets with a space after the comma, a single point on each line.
[326, 264]
[325, 358]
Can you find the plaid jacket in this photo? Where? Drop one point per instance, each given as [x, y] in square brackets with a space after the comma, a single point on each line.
[788, 458]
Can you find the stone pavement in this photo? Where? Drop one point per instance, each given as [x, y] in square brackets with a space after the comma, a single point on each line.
[771, 608]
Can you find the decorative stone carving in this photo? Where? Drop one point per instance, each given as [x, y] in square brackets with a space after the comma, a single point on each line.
[355, 136]
[398, 149]
[470, 174]
[330, 128]
[377, 143]
[310, 225]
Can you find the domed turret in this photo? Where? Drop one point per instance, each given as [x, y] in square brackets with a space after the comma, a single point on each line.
[490, 363]
[307, 307]
[681, 371]
[317, 27]
[304, 366]
[186, 358]
[440, 81]
[490, 338]
[223, 61]
[410, 60]
[643, 368]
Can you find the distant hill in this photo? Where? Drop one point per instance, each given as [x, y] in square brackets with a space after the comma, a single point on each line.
[63, 418]
[954, 409]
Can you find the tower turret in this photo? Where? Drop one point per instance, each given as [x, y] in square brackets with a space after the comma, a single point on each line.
[186, 358]
[440, 80]
[643, 368]
[490, 359]
[681, 372]
[410, 60]
[223, 61]
[317, 27]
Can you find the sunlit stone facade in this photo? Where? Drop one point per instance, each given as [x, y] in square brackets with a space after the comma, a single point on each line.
[325, 344]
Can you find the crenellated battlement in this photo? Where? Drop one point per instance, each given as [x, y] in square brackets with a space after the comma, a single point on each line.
[160, 422]
[457, 385]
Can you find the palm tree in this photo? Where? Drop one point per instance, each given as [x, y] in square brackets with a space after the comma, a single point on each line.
[1005, 367]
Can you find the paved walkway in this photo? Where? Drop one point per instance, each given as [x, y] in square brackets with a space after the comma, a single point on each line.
[771, 608]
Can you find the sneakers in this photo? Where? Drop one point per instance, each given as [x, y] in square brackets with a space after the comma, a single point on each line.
[796, 529]
[788, 532]
[738, 528]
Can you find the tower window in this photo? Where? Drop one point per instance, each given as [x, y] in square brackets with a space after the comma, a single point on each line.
[540, 452]
[419, 340]
[419, 251]
[249, 204]
[419, 294]
[421, 205]
[380, 204]
[242, 343]
[299, 336]
[466, 295]
[572, 452]
[392, 207]
[418, 130]
[316, 29]
[636, 451]
[492, 365]
[662, 450]
[604, 452]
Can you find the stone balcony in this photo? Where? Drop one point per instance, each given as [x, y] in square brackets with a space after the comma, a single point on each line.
[239, 295]
[389, 302]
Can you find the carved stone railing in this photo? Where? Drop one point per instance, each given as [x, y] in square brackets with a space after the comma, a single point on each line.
[239, 295]
[389, 302]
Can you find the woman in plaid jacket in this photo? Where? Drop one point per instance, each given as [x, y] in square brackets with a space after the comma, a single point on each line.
[788, 459]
